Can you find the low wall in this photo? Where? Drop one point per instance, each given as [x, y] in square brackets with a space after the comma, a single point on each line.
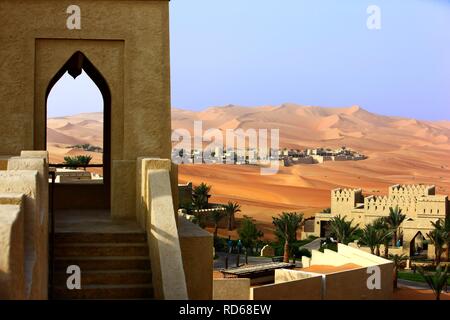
[168, 275]
[328, 258]
[231, 289]
[360, 257]
[24, 231]
[29, 161]
[290, 285]
[12, 252]
[285, 275]
[197, 253]
[372, 281]
[353, 284]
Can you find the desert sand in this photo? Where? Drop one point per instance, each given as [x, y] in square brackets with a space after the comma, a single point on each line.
[400, 150]
[63, 133]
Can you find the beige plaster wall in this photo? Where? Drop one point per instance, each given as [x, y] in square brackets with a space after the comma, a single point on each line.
[360, 257]
[285, 275]
[123, 189]
[341, 285]
[38, 163]
[12, 251]
[328, 258]
[34, 154]
[134, 61]
[197, 259]
[302, 289]
[26, 182]
[352, 285]
[231, 289]
[143, 200]
[42, 43]
[168, 274]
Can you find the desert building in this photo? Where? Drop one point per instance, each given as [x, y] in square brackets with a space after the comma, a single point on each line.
[419, 203]
[122, 237]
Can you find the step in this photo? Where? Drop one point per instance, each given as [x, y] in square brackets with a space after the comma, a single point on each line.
[104, 263]
[105, 277]
[141, 291]
[85, 237]
[100, 249]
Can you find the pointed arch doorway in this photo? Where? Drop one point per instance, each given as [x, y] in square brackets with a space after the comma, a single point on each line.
[85, 195]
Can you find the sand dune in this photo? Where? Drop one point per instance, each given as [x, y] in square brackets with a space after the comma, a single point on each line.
[308, 126]
[400, 150]
[65, 132]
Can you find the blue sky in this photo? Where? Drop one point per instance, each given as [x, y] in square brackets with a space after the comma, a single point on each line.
[314, 52]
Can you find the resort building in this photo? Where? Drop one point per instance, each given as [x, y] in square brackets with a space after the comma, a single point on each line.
[419, 203]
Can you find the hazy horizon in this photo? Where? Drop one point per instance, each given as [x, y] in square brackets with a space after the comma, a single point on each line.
[265, 105]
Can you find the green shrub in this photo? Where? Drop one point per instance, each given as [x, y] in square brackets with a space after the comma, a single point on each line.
[329, 245]
[220, 244]
[303, 252]
[77, 161]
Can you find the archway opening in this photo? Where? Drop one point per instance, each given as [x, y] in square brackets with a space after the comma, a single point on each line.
[418, 245]
[78, 103]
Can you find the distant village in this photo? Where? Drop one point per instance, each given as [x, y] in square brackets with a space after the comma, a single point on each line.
[286, 157]
[320, 155]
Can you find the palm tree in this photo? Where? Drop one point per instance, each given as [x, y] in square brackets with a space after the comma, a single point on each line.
[286, 227]
[397, 261]
[231, 209]
[437, 281]
[343, 229]
[439, 237]
[385, 233]
[200, 196]
[374, 235]
[249, 234]
[216, 216]
[395, 219]
[370, 237]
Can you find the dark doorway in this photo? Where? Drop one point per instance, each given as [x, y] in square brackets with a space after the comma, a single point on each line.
[325, 230]
[418, 246]
[85, 194]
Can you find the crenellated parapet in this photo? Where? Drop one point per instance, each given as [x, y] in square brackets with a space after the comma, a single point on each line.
[346, 193]
[417, 190]
[435, 206]
[344, 200]
[382, 204]
[419, 203]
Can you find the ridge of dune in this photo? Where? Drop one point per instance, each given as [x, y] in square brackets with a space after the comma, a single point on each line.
[299, 126]
[399, 149]
[54, 136]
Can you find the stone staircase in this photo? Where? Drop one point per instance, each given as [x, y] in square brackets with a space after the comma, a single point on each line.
[114, 265]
